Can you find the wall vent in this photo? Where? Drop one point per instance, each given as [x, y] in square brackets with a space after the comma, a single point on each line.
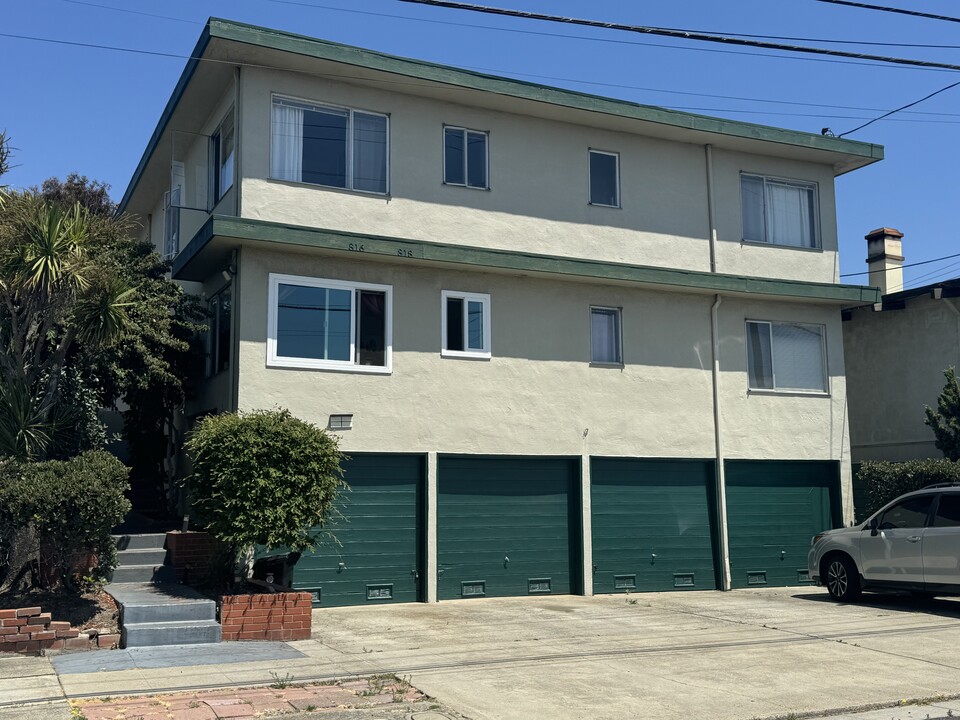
[380, 592]
[624, 582]
[341, 422]
[757, 577]
[683, 580]
[474, 588]
[537, 586]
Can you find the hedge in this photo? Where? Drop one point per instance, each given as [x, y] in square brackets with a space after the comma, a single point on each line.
[886, 481]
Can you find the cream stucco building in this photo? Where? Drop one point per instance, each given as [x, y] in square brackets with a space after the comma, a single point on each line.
[571, 343]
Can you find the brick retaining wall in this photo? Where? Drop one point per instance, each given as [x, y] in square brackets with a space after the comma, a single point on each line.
[192, 554]
[280, 616]
[30, 631]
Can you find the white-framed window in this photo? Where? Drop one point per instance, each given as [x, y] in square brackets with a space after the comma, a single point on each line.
[466, 155]
[779, 212]
[604, 178]
[218, 331]
[785, 356]
[465, 324]
[606, 336]
[222, 152]
[331, 146]
[329, 324]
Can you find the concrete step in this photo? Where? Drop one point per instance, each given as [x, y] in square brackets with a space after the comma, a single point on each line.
[154, 634]
[143, 574]
[144, 541]
[152, 556]
[168, 602]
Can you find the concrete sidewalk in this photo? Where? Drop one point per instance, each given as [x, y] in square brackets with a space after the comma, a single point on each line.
[738, 656]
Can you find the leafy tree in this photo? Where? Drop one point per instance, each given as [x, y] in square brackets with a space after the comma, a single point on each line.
[945, 420]
[263, 478]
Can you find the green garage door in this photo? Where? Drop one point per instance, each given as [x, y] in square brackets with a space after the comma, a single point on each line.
[652, 526]
[380, 531]
[507, 526]
[773, 509]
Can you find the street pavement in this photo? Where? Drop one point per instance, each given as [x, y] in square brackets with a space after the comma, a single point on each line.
[769, 653]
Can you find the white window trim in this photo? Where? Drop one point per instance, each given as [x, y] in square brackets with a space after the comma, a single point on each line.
[616, 156]
[349, 160]
[773, 369]
[274, 360]
[604, 363]
[809, 184]
[466, 161]
[483, 298]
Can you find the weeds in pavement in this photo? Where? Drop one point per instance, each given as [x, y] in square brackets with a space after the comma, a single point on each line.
[281, 683]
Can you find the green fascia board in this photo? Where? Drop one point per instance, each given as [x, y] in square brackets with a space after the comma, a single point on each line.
[415, 250]
[192, 64]
[359, 57]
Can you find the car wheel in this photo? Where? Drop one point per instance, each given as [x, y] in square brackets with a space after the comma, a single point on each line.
[842, 579]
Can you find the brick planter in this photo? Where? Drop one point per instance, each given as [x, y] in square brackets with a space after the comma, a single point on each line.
[31, 631]
[279, 616]
[192, 555]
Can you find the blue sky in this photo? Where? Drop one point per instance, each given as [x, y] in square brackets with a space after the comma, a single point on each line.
[69, 108]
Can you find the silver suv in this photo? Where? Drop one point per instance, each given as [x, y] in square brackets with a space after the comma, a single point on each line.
[913, 543]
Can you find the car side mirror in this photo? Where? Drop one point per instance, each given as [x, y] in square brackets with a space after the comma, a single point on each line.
[874, 524]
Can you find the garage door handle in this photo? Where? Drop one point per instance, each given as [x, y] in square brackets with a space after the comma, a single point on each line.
[913, 538]
[505, 559]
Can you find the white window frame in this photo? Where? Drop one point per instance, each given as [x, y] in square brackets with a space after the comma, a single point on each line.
[616, 156]
[487, 352]
[466, 160]
[775, 180]
[619, 312]
[274, 360]
[321, 107]
[773, 369]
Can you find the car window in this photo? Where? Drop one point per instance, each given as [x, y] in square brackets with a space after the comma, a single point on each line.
[948, 514]
[911, 513]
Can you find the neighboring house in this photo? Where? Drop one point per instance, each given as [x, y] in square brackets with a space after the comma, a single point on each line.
[896, 353]
[570, 343]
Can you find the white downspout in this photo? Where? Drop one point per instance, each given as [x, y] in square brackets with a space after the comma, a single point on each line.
[720, 470]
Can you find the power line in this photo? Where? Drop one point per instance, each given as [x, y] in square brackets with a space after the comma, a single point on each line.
[133, 12]
[903, 107]
[885, 8]
[934, 276]
[922, 262]
[681, 34]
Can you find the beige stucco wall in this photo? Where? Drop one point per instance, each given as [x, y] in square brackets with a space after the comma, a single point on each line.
[538, 196]
[539, 394]
[895, 364]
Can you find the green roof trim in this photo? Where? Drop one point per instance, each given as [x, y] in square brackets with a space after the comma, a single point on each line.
[402, 249]
[468, 79]
[471, 80]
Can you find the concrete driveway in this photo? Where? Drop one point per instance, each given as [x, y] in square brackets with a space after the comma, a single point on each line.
[744, 654]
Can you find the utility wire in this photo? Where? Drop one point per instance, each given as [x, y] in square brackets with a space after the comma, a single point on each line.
[935, 276]
[682, 34]
[134, 12]
[885, 8]
[922, 262]
[902, 107]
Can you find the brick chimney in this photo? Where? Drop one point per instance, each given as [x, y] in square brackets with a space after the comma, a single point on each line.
[885, 259]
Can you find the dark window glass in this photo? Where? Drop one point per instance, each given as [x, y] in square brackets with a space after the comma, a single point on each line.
[910, 513]
[603, 179]
[454, 324]
[222, 359]
[759, 356]
[370, 152]
[948, 514]
[313, 322]
[454, 170]
[476, 160]
[475, 324]
[371, 328]
[325, 148]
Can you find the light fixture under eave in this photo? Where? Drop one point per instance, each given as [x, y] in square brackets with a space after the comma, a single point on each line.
[936, 293]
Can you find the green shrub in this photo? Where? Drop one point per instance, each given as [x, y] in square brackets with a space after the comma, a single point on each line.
[886, 481]
[263, 478]
[70, 506]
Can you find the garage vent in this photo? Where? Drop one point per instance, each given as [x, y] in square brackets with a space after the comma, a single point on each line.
[624, 582]
[314, 596]
[379, 592]
[341, 422]
[538, 585]
[758, 577]
[683, 580]
[803, 576]
[474, 588]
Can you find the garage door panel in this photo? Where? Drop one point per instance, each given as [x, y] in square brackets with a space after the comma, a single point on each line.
[773, 509]
[503, 522]
[378, 525]
[652, 524]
